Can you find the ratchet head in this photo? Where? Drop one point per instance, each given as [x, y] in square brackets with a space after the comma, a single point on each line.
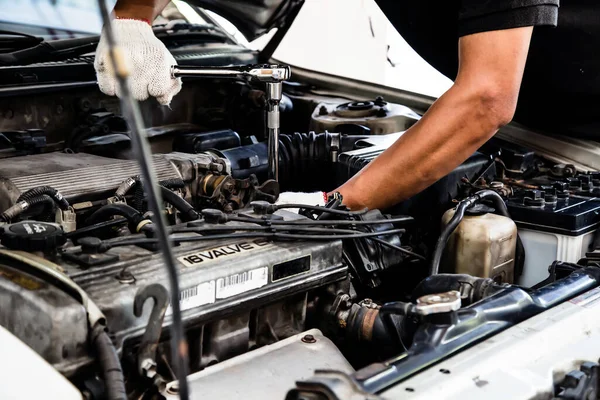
[270, 73]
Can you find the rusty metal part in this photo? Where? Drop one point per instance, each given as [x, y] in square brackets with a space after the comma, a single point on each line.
[229, 194]
[368, 324]
[519, 183]
[502, 189]
[147, 351]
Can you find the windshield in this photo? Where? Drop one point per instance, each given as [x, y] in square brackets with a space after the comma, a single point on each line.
[60, 19]
[52, 18]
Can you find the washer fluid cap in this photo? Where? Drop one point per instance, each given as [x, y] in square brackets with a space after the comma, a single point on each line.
[33, 236]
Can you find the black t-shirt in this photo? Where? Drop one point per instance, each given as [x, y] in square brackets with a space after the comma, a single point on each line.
[561, 86]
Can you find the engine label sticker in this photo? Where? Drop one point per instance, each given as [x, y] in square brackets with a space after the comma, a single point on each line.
[195, 296]
[235, 284]
[587, 299]
[222, 252]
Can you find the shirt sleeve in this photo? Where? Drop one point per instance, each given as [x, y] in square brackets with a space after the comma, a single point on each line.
[477, 16]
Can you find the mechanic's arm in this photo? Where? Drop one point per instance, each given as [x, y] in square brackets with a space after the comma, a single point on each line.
[482, 99]
[140, 9]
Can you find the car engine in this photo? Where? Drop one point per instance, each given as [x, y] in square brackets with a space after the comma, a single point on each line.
[295, 288]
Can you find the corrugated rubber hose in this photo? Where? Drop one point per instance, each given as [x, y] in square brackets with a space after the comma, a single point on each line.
[110, 365]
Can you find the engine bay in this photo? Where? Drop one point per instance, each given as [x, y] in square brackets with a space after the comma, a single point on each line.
[506, 236]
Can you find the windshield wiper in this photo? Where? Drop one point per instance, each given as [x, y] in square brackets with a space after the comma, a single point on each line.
[11, 41]
[51, 51]
[186, 31]
[56, 50]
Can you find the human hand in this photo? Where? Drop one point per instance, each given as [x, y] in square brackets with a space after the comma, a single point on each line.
[148, 60]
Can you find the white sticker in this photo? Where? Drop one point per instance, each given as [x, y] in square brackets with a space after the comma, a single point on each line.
[195, 296]
[588, 298]
[221, 253]
[233, 285]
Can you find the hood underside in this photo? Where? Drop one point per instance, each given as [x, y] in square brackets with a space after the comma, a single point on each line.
[254, 17]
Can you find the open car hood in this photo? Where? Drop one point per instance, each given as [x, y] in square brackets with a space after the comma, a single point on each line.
[254, 17]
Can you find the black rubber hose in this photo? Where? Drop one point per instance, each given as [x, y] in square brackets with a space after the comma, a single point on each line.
[172, 183]
[187, 211]
[447, 231]
[396, 308]
[45, 190]
[110, 366]
[500, 207]
[133, 216]
[139, 197]
[301, 158]
[45, 211]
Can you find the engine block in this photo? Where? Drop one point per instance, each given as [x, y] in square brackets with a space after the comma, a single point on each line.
[219, 279]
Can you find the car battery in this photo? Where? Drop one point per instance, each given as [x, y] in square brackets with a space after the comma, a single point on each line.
[558, 222]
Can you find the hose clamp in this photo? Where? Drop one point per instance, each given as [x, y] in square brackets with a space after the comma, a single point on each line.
[142, 223]
[335, 146]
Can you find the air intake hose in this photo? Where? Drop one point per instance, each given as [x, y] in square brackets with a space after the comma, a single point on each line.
[301, 158]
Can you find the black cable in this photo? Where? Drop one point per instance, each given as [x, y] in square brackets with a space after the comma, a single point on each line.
[396, 220]
[86, 231]
[131, 112]
[187, 211]
[269, 235]
[398, 248]
[230, 228]
[133, 216]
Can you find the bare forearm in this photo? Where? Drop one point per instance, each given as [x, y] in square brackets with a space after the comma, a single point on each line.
[140, 9]
[447, 135]
[482, 99]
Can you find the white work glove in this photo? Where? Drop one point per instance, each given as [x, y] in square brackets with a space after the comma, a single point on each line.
[148, 60]
[309, 199]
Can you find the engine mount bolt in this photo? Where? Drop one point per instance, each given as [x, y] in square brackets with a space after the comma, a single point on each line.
[309, 339]
[125, 277]
[345, 301]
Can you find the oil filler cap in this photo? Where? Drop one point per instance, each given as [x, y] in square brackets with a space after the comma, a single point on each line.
[33, 236]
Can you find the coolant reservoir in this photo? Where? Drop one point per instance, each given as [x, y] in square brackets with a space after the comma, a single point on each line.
[482, 245]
